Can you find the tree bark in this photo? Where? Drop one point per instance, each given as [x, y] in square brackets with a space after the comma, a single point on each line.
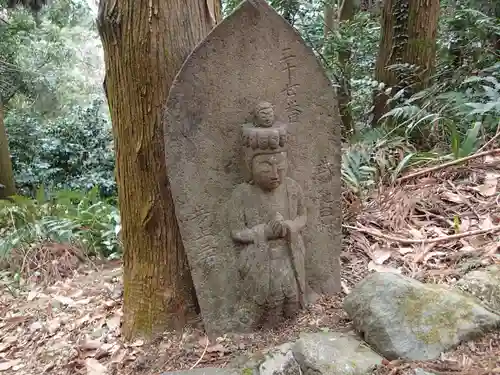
[346, 14]
[145, 43]
[7, 184]
[328, 18]
[409, 29]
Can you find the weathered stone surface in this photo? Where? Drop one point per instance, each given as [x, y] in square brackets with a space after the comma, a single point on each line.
[279, 361]
[254, 55]
[206, 371]
[419, 371]
[483, 284]
[403, 318]
[334, 354]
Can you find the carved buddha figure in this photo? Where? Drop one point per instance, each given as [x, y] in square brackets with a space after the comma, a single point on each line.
[266, 216]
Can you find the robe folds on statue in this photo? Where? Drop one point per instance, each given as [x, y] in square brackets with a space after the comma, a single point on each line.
[265, 265]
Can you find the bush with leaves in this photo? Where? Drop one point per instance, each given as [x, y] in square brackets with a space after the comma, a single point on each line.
[70, 152]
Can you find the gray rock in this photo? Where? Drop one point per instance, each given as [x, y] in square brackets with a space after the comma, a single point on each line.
[279, 361]
[275, 361]
[206, 371]
[403, 318]
[483, 284]
[334, 354]
[419, 371]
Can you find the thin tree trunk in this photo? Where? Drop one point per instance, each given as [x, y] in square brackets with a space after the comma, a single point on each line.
[346, 14]
[8, 186]
[409, 29]
[328, 18]
[145, 43]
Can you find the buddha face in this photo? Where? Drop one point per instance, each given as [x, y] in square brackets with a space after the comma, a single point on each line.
[269, 170]
[264, 116]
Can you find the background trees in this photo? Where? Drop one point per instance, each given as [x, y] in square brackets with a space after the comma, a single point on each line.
[406, 56]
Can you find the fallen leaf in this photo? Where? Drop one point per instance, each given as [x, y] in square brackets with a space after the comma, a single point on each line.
[84, 301]
[406, 250]
[380, 256]
[94, 367]
[464, 225]
[489, 188]
[137, 343]
[416, 234]
[381, 268]
[486, 223]
[35, 326]
[53, 325]
[113, 323]
[4, 346]
[4, 366]
[118, 356]
[452, 197]
[32, 295]
[77, 294]
[90, 345]
[65, 300]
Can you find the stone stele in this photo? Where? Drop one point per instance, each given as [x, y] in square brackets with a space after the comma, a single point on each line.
[253, 149]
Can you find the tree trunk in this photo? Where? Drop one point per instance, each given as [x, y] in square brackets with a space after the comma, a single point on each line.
[145, 43]
[346, 14]
[328, 18]
[409, 29]
[7, 184]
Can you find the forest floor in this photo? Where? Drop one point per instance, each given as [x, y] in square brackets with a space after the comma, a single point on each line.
[434, 227]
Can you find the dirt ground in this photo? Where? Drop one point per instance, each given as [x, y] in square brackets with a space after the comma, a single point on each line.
[434, 227]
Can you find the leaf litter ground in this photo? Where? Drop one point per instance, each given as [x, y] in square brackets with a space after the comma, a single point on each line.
[434, 228]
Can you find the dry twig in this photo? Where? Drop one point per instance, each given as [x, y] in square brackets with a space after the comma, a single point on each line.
[407, 241]
[448, 164]
[202, 355]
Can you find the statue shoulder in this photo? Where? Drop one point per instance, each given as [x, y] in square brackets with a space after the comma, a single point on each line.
[293, 186]
[240, 190]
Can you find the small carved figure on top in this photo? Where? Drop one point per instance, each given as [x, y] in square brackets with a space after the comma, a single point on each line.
[266, 217]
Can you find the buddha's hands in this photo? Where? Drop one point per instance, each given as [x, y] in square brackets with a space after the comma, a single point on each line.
[278, 228]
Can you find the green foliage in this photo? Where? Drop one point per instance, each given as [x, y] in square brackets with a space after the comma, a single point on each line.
[52, 66]
[461, 108]
[378, 157]
[70, 152]
[83, 219]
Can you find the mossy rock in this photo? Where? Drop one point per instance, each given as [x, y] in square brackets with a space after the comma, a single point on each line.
[404, 318]
[484, 285]
[334, 353]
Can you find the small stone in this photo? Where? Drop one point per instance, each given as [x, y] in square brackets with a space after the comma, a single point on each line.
[206, 371]
[419, 371]
[335, 353]
[279, 361]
